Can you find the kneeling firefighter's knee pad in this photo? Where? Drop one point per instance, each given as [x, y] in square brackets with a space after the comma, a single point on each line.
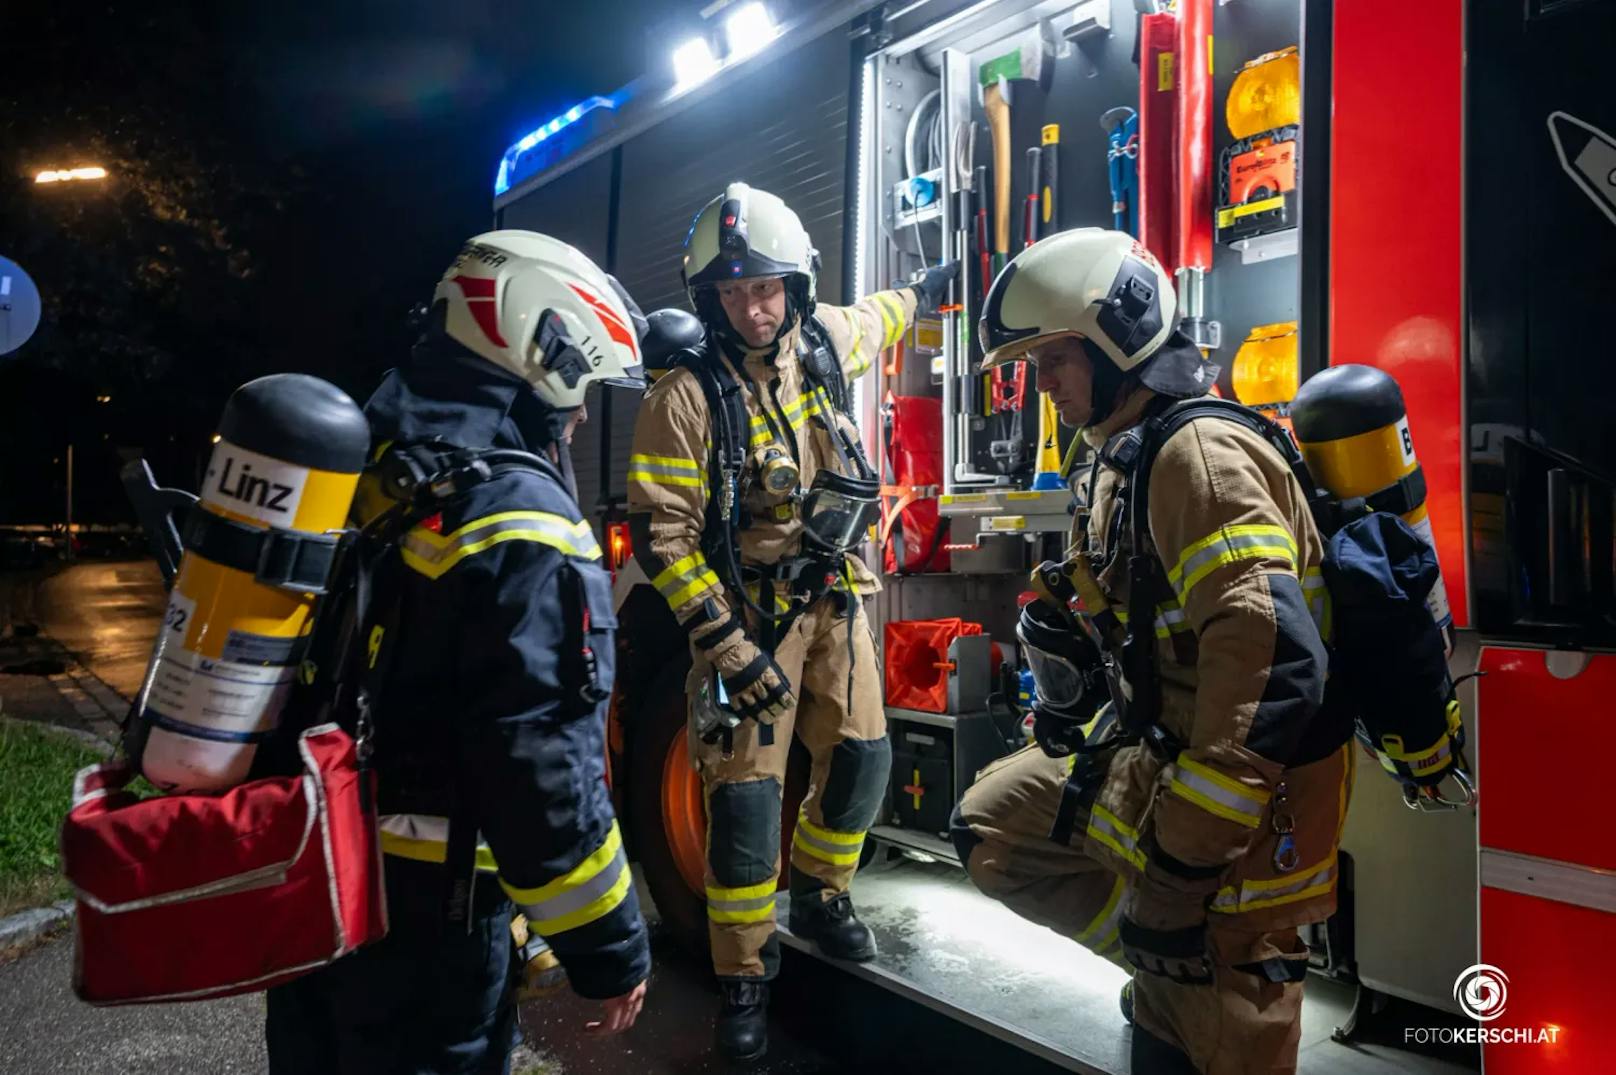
[859, 769]
[743, 841]
[964, 838]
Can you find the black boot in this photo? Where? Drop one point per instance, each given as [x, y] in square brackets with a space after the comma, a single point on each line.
[833, 926]
[742, 1030]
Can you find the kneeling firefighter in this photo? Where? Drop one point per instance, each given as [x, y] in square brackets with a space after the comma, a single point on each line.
[488, 672]
[748, 491]
[1194, 827]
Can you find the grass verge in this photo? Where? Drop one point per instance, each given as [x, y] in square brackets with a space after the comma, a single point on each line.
[36, 786]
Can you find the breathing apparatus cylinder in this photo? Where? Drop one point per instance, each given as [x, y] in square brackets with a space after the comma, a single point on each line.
[1352, 427]
[259, 546]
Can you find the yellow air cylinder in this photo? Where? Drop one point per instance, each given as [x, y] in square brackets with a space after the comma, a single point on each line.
[1352, 428]
[258, 548]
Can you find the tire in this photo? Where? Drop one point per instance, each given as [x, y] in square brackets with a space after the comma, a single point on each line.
[666, 818]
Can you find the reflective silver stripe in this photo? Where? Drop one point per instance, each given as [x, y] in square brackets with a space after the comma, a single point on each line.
[577, 899]
[1229, 545]
[815, 843]
[432, 555]
[1256, 895]
[1197, 784]
[756, 904]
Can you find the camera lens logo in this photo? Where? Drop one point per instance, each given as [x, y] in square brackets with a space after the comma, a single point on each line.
[1482, 991]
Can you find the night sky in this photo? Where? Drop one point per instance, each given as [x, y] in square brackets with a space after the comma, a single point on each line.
[286, 180]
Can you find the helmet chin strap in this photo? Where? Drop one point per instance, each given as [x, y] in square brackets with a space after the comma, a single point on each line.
[1105, 383]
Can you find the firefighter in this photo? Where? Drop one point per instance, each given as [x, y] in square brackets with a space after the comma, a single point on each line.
[736, 515]
[492, 672]
[1187, 839]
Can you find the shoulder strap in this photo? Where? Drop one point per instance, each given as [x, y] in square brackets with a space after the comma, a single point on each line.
[823, 366]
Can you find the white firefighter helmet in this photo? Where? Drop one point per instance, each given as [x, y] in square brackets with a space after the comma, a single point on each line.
[1109, 292]
[538, 308]
[746, 233]
[1089, 282]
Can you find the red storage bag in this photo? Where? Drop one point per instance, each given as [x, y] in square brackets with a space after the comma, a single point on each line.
[911, 532]
[189, 897]
[917, 663]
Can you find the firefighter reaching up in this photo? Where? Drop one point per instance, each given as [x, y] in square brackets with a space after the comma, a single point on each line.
[1193, 825]
[747, 493]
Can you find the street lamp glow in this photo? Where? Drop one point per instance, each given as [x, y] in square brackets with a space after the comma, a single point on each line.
[65, 175]
[217, 438]
[748, 30]
[103, 399]
[693, 62]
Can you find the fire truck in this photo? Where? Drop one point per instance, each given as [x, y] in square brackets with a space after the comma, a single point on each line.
[1429, 188]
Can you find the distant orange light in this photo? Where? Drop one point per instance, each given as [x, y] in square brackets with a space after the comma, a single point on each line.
[619, 546]
[65, 175]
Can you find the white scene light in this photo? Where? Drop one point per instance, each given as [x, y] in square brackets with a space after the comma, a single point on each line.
[693, 62]
[748, 30]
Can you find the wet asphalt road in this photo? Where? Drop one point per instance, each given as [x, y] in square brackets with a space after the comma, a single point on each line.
[822, 1019]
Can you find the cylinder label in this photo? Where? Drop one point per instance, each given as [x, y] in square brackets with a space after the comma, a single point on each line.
[1437, 600]
[1405, 442]
[253, 485]
[226, 696]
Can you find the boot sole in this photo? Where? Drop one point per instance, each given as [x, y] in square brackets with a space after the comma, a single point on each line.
[748, 1058]
[863, 956]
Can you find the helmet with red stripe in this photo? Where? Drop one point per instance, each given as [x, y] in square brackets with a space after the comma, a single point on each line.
[538, 308]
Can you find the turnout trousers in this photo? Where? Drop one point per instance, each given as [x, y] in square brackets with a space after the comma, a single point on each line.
[1242, 1022]
[829, 656]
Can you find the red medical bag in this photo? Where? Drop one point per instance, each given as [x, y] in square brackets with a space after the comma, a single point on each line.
[189, 897]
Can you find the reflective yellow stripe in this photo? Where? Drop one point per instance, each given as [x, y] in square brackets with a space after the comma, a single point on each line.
[422, 838]
[587, 892]
[1104, 925]
[1305, 884]
[750, 903]
[1217, 793]
[1109, 830]
[433, 555]
[855, 325]
[684, 579]
[1226, 546]
[827, 845]
[891, 316]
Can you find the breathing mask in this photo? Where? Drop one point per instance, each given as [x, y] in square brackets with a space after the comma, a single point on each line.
[838, 510]
[1066, 664]
[711, 711]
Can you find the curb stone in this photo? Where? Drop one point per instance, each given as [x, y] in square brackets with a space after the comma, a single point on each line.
[25, 927]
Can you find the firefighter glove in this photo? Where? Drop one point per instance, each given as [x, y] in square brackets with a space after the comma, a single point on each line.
[757, 687]
[932, 288]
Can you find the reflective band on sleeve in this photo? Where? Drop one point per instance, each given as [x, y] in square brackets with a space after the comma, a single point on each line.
[889, 327]
[1102, 932]
[891, 317]
[1217, 794]
[1317, 595]
[1421, 763]
[827, 845]
[751, 903]
[423, 838]
[1107, 828]
[685, 579]
[666, 470]
[433, 555]
[589, 891]
[1292, 888]
[855, 325]
[1228, 545]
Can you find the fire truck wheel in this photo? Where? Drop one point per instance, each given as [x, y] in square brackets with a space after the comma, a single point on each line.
[667, 818]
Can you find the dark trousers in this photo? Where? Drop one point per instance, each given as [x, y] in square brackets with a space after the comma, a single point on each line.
[424, 999]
